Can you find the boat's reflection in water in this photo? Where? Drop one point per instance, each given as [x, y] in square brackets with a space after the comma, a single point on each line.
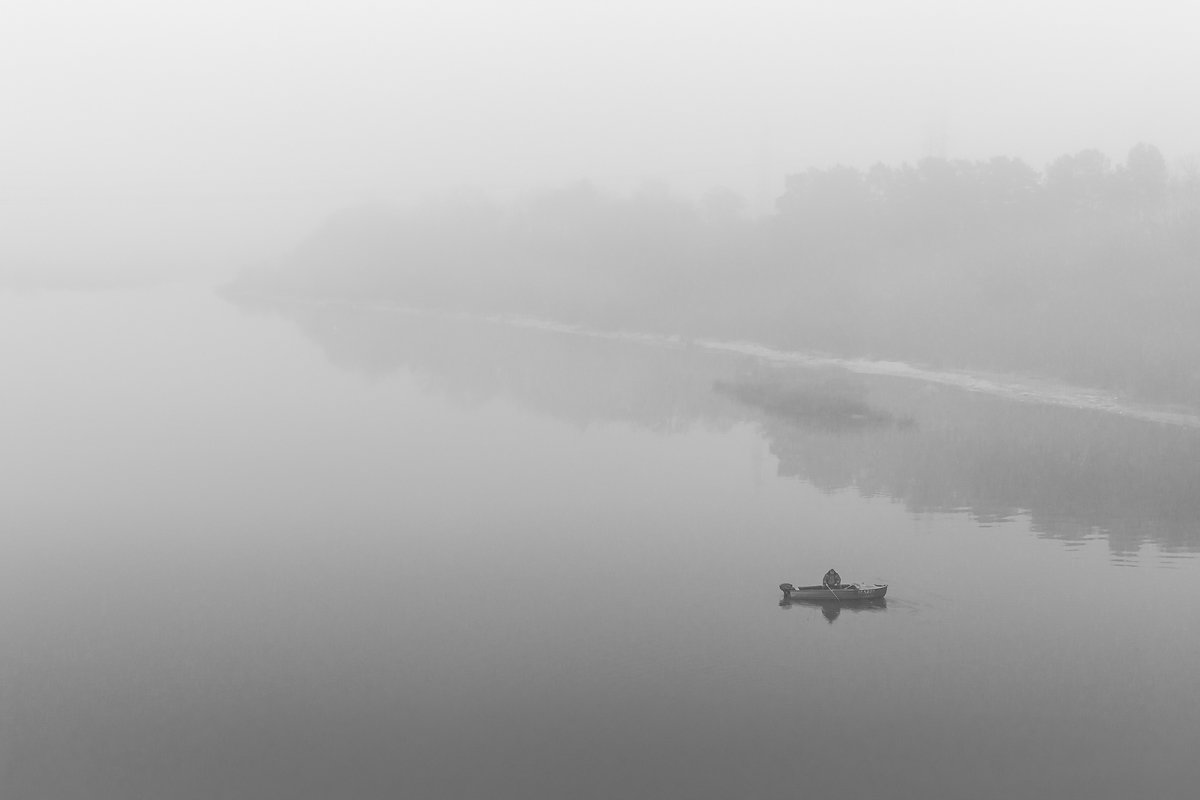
[831, 609]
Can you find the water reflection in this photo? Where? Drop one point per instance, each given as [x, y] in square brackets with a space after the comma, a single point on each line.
[832, 610]
[1076, 474]
[812, 398]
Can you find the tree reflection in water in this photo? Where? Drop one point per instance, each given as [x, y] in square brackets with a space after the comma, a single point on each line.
[1077, 474]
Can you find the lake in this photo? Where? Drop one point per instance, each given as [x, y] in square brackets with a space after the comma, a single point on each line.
[312, 550]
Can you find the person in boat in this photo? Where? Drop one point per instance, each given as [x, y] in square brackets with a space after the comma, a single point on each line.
[832, 580]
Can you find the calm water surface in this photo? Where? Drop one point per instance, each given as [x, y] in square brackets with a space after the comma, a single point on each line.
[321, 552]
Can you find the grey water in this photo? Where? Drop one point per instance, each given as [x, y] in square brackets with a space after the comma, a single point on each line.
[318, 552]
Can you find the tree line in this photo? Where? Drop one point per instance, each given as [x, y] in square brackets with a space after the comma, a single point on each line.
[1087, 270]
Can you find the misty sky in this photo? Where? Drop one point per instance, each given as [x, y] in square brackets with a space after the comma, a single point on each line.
[136, 129]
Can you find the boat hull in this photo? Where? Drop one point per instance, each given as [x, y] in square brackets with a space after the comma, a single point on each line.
[845, 594]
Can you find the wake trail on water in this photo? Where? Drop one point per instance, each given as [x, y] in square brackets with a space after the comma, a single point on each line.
[1011, 387]
[1024, 389]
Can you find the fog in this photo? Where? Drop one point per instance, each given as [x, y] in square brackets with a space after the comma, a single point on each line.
[332, 551]
[148, 139]
[433, 399]
[1083, 271]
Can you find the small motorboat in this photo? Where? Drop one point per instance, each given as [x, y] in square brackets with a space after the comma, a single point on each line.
[844, 593]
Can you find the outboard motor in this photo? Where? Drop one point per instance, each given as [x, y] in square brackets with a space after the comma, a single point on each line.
[786, 588]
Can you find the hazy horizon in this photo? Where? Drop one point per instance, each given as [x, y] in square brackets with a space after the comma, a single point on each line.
[163, 139]
[443, 399]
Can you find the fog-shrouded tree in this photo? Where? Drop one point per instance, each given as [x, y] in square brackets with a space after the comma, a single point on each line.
[1147, 174]
[1084, 270]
